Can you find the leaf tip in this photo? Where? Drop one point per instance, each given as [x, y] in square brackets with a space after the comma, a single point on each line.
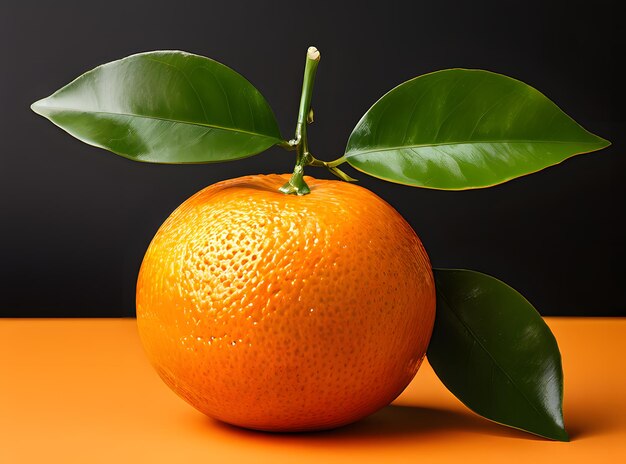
[604, 143]
[38, 107]
[561, 435]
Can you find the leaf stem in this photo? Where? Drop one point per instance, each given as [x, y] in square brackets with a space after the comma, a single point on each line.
[296, 184]
[332, 167]
[289, 145]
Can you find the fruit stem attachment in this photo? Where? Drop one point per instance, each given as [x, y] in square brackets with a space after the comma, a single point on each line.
[296, 184]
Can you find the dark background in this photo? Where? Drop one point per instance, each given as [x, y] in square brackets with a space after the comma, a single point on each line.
[76, 220]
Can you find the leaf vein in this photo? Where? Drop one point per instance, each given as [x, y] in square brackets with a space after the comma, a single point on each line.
[472, 142]
[475, 337]
[156, 118]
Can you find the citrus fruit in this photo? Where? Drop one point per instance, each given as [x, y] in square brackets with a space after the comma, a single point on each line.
[282, 312]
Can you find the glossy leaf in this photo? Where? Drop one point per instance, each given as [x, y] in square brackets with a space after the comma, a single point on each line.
[459, 129]
[165, 107]
[495, 353]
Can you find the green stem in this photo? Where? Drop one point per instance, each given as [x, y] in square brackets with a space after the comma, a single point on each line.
[296, 184]
[327, 164]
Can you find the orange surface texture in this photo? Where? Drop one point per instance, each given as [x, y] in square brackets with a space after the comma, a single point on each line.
[287, 318]
[82, 391]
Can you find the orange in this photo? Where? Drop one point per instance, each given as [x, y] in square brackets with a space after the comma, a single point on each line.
[286, 313]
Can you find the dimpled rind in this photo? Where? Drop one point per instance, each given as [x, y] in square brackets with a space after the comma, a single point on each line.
[286, 313]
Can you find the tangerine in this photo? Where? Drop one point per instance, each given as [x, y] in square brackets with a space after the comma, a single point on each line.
[286, 313]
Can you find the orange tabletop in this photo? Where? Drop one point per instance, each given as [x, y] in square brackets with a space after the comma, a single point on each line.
[81, 391]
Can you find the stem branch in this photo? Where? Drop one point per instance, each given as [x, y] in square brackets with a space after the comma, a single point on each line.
[296, 183]
[300, 142]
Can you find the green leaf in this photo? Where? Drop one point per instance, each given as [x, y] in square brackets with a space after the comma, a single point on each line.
[165, 107]
[495, 353]
[460, 129]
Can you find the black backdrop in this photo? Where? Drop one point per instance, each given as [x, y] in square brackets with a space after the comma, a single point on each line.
[75, 220]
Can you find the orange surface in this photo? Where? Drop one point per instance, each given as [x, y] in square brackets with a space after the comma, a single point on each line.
[280, 325]
[82, 391]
